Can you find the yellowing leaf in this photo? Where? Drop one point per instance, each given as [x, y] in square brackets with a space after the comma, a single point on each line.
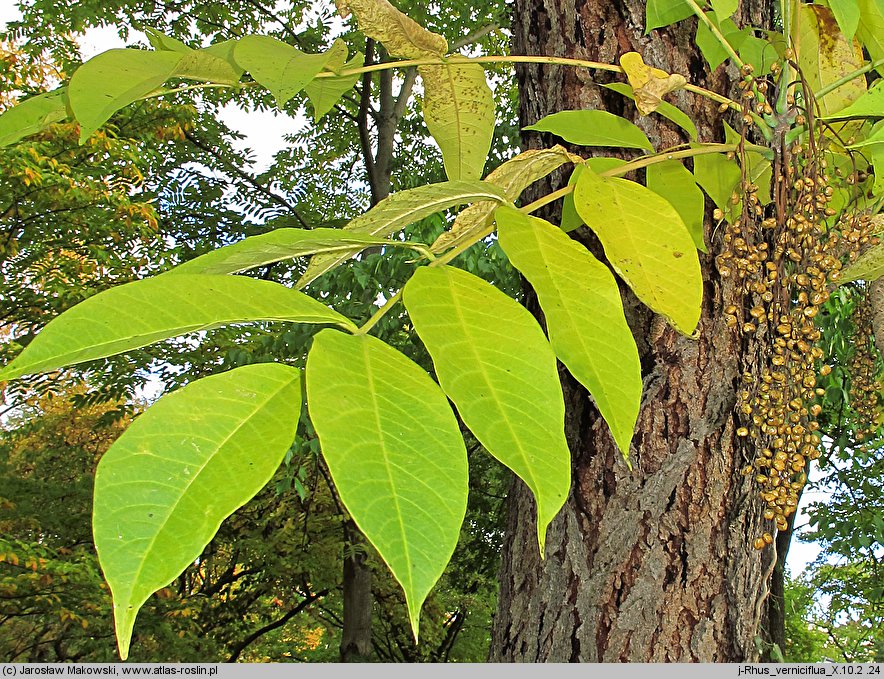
[401, 209]
[458, 108]
[584, 315]
[649, 84]
[513, 176]
[646, 242]
[399, 34]
[825, 55]
[867, 267]
[665, 109]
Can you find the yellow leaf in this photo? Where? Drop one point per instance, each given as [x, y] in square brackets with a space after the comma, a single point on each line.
[648, 83]
[399, 34]
[458, 109]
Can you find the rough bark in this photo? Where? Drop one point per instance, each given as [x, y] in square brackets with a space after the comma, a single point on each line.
[876, 295]
[654, 564]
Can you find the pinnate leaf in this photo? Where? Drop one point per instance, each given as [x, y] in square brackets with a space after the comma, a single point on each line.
[395, 452]
[458, 108]
[146, 311]
[495, 364]
[593, 128]
[192, 459]
[646, 242]
[584, 315]
[324, 93]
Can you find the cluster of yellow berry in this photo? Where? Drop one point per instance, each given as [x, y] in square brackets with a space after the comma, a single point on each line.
[865, 387]
[783, 266]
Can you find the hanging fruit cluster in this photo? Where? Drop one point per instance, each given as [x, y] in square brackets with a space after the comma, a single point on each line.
[865, 387]
[783, 258]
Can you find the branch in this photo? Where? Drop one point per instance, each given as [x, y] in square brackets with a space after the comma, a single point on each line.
[257, 634]
[248, 178]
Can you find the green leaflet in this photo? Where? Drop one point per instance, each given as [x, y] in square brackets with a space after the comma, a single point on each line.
[869, 105]
[593, 128]
[868, 267]
[458, 108]
[871, 29]
[31, 116]
[665, 109]
[191, 460]
[146, 311]
[719, 176]
[711, 47]
[401, 209]
[674, 182]
[659, 13]
[495, 364]
[276, 246]
[214, 64]
[584, 315]
[758, 52]
[513, 176]
[277, 66]
[114, 79]
[724, 8]
[324, 93]
[570, 219]
[647, 243]
[395, 452]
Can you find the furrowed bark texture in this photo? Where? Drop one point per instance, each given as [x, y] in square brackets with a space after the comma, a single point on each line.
[654, 564]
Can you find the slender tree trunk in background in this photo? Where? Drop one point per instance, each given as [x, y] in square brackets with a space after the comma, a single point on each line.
[358, 600]
[654, 564]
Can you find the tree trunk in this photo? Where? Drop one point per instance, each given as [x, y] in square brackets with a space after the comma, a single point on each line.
[657, 563]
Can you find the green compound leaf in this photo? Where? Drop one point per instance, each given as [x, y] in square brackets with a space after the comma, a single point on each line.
[593, 128]
[584, 315]
[674, 182]
[214, 64]
[403, 208]
[146, 311]
[114, 79]
[279, 67]
[647, 243]
[395, 452]
[192, 459]
[32, 116]
[495, 364]
[276, 246]
[458, 108]
[868, 267]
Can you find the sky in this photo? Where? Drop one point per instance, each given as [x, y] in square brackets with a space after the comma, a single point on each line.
[264, 133]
